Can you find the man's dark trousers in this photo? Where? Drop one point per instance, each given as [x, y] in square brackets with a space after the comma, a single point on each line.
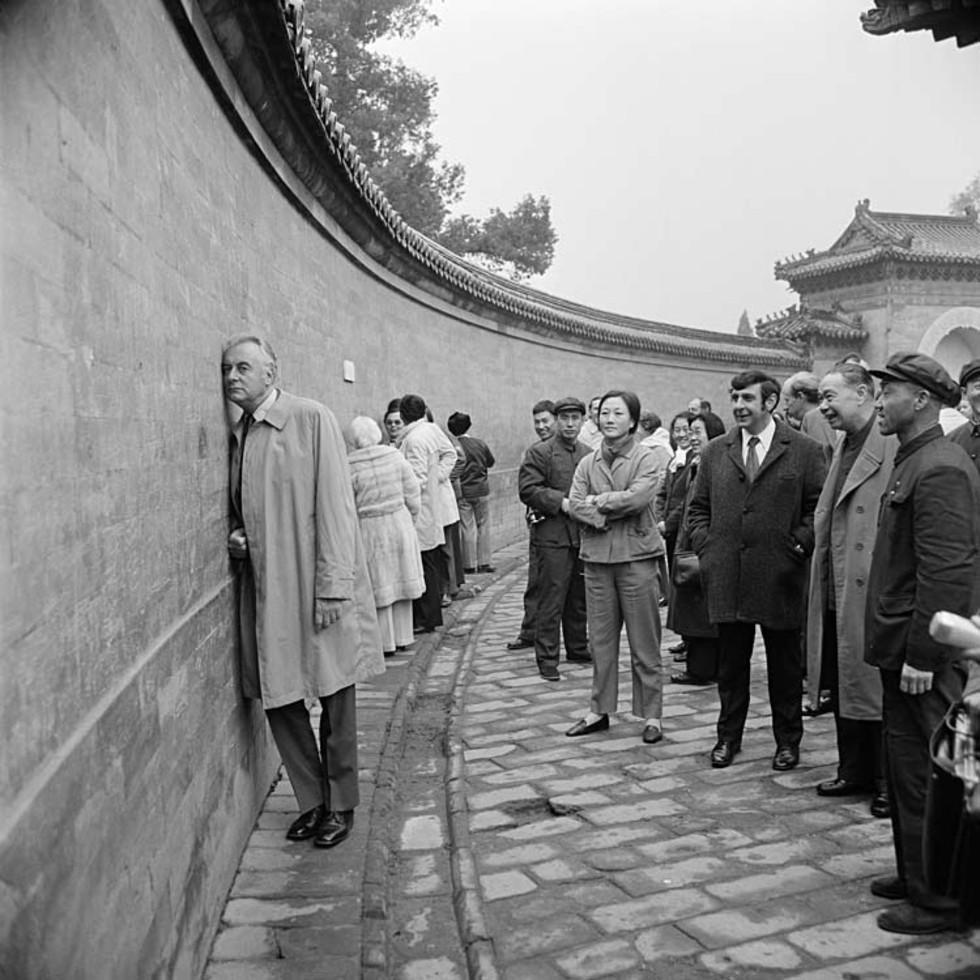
[428, 607]
[785, 676]
[910, 720]
[561, 605]
[531, 593]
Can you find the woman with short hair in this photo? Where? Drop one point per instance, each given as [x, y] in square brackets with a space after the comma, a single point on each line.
[612, 495]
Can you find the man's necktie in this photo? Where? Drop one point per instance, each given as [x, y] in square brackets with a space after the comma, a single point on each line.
[246, 425]
[752, 459]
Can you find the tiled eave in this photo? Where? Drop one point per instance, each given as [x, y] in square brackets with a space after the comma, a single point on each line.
[827, 264]
[945, 18]
[802, 325]
[263, 46]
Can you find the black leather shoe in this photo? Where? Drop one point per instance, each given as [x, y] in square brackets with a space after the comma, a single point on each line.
[549, 672]
[723, 754]
[585, 728]
[786, 757]
[521, 643]
[686, 678]
[881, 806]
[469, 571]
[891, 886]
[305, 825]
[335, 827]
[651, 735]
[911, 920]
[486, 569]
[841, 787]
[578, 660]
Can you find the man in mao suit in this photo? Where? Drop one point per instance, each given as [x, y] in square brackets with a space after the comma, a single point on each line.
[308, 626]
[543, 481]
[926, 559]
[968, 436]
[844, 527]
[751, 524]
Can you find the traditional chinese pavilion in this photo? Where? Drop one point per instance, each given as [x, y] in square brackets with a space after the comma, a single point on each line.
[890, 282]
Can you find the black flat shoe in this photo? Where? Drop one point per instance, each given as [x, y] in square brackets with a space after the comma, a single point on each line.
[305, 825]
[652, 734]
[881, 806]
[686, 678]
[549, 672]
[334, 828]
[891, 886]
[586, 728]
[486, 569]
[911, 920]
[723, 754]
[786, 757]
[841, 787]
[578, 660]
[520, 644]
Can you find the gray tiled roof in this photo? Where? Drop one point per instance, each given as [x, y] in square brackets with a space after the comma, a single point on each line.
[801, 324]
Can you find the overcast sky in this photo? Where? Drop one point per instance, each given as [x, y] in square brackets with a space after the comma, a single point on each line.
[686, 147]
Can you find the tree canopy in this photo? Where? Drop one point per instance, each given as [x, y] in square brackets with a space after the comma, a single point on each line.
[387, 108]
[969, 196]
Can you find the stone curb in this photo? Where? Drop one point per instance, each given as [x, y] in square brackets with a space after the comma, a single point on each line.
[374, 891]
[476, 939]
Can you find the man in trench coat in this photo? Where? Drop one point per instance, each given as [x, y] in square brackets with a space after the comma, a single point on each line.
[306, 609]
[844, 527]
[751, 524]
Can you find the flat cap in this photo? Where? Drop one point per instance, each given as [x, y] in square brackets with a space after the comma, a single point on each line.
[924, 371]
[969, 372]
[569, 404]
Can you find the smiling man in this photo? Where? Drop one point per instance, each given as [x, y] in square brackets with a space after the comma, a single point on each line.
[925, 560]
[845, 525]
[751, 523]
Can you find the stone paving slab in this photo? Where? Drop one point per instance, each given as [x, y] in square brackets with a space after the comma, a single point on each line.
[513, 852]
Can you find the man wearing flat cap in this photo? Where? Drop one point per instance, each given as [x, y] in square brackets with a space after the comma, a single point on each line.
[925, 560]
[543, 482]
[968, 436]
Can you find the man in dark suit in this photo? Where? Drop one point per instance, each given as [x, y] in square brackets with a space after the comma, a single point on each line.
[751, 523]
[968, 436]
[925, 560]
[543, 482]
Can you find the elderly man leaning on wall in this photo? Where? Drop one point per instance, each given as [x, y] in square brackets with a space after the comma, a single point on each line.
[308, 627]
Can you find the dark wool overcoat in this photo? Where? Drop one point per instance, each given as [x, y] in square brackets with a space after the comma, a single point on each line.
[754, 538]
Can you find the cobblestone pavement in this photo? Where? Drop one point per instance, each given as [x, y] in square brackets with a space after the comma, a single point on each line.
[497, 847]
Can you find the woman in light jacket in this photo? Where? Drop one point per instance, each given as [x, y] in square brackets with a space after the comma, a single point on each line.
[612, 494]
[388, 500]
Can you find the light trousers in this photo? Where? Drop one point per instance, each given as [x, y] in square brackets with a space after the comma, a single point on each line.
[327, 775]
[474, 519]
[618, 594]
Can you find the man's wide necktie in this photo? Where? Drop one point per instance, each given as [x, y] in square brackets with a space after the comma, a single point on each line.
[752, 459]
[246, 425]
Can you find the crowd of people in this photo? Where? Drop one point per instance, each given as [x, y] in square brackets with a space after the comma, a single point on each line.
[834, 514]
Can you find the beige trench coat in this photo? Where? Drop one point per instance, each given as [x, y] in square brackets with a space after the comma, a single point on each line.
[849, 548]
[304, 543]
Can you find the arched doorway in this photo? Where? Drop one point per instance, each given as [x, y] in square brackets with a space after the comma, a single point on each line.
[953, 338]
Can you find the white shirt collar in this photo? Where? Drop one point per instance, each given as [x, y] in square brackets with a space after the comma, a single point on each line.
[263, 408]
[765, 440]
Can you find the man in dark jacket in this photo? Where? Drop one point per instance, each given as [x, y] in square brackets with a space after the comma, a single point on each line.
[543, 482]
[925, 560]
[968, 436]
[751, 523]
[474, 500]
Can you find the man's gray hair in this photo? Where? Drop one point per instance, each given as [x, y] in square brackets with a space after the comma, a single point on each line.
[260, 342]
[803, 383]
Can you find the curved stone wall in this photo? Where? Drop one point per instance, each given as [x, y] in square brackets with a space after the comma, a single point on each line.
[168, 182]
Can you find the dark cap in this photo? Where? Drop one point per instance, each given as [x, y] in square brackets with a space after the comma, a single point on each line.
[924, 371]
[570, 404]
[969, 372]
